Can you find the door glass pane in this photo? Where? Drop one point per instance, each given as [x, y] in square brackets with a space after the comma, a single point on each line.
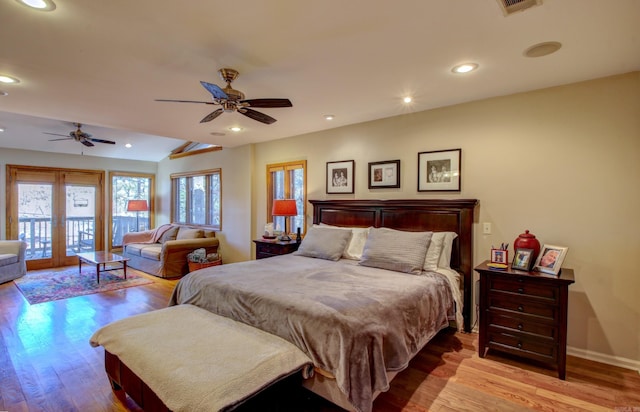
[80, 219]
[34, 218]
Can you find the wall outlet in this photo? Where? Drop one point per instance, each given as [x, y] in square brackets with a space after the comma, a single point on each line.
[486, 228]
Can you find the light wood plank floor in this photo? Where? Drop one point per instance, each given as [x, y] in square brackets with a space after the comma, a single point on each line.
[47, 364]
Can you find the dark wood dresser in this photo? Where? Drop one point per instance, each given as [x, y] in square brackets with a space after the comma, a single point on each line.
[268, 248]
[525, 314]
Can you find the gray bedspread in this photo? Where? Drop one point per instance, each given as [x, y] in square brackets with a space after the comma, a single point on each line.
[353, 321]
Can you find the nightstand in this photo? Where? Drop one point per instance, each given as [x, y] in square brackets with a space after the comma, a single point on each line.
[525, 314]
[269, 248]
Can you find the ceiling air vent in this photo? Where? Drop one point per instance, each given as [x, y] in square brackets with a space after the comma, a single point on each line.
[512, 6]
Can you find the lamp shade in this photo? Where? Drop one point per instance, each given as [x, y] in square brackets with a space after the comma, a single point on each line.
[284, 207]
[137, 206]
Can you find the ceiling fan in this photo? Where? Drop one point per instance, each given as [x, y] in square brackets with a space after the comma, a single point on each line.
[80, 136]
[233, 100]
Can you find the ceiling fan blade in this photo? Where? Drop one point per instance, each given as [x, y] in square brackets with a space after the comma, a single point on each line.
[212, 115]
[65, 138]
[216, 91]
[102, 141]
[268, 102]
[261, 117]
[57, 134]
[86, 143]
[182, 101]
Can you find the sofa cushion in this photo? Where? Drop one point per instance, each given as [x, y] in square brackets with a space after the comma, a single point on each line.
[134, 248]
[169, 234]
[151, 252]
[188, 233]
[8, 259]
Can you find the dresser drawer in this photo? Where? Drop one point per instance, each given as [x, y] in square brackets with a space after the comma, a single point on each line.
[522, 345]
[522, 324]
[520, 287]
[523, 307]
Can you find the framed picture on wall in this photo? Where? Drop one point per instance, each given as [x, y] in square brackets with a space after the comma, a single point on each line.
[340, 176]
[550, 259]
[384, 174]
[439, 171]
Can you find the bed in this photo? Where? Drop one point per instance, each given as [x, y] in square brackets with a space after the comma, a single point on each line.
[359, 324]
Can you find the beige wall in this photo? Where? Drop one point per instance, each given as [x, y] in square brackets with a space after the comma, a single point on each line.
[237, 181]
[562, 162]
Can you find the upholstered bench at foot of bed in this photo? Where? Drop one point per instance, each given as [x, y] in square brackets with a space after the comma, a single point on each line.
[184, 358]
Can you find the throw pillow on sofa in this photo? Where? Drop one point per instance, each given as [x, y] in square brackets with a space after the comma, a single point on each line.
[169, 234]
[185, 233]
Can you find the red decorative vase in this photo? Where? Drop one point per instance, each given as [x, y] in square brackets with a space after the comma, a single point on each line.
[527, 240]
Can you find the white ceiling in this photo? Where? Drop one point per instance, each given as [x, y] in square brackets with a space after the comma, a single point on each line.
[102, 63]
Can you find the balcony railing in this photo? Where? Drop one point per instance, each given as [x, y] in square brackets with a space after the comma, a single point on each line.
[36, 231]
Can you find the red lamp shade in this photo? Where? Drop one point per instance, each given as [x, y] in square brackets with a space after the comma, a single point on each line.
[137, 206]
[284, 207]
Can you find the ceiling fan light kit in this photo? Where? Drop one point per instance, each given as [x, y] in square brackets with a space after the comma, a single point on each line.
[232, 100]
[79, 136]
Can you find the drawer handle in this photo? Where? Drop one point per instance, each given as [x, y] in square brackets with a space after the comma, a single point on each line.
[520, 326]
[519, 345]
[520, 308]
[520, 290]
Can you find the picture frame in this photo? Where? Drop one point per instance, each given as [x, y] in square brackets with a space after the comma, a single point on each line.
[522, 259]
[440, 171]
[550, 259]
[341, 176]
[383, 175]
[500, 256]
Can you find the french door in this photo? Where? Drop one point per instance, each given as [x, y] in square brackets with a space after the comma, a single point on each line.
[58, 212]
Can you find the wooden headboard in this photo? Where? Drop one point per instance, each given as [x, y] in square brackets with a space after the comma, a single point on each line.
[412, 215]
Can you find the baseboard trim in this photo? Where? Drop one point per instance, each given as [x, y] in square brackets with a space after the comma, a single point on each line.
[603, 358]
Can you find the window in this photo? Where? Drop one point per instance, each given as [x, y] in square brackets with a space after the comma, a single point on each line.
[196, 198]
[288, 181]
[124, 187]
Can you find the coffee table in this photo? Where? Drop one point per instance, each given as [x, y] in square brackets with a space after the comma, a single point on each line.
[102, 258]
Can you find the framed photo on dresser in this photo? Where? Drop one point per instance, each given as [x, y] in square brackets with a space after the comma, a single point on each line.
[522, 259]
[550, 259]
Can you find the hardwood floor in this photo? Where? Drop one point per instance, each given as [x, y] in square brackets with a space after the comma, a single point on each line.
[47, 364]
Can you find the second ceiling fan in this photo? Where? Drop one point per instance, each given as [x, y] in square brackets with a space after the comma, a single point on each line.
[233, 100]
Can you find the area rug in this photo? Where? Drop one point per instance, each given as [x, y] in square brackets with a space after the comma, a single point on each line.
[42, 286]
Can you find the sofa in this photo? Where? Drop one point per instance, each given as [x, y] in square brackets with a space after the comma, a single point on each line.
[163, 251]
[13, 263]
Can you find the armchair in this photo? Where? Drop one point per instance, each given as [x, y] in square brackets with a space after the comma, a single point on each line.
[13, 263]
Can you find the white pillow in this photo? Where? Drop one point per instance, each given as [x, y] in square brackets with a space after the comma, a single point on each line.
[396, 250]
[324, 243]
[445, 255]
[356, 245]
[434, 251]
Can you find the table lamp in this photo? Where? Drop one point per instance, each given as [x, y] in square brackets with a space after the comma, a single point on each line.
[286, 208]
[137, 206]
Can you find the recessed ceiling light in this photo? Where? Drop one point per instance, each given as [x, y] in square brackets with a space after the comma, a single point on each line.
[235, 129]
[407, 99]
[43, 5]
[128, 145]
[465, 68]
[1, 129]
[3, 93]
[542, 49]
[329, 117]
[8, 79]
